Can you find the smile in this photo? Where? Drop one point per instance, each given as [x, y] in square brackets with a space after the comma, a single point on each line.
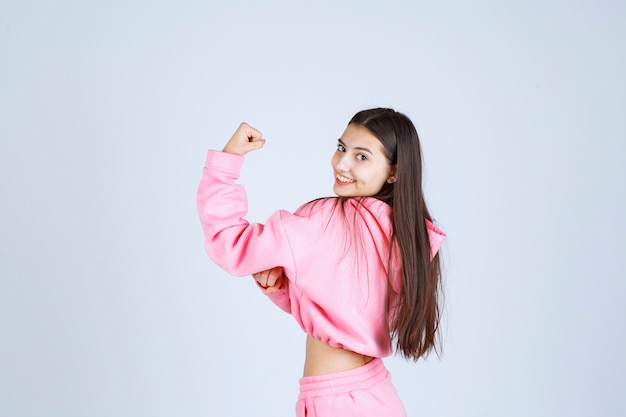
[344, 180]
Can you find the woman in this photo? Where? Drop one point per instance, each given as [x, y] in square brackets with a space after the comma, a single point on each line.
[356, 271]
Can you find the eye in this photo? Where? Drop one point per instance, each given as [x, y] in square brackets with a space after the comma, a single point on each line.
[341, 148]
[361, 157]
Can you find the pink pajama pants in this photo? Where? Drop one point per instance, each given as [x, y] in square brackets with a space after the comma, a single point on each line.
[364, 391]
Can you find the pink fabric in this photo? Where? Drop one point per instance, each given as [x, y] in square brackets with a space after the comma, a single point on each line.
[337, 284]
[360, 392]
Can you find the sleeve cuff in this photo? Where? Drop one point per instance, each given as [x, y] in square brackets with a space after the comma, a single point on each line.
[223, 161]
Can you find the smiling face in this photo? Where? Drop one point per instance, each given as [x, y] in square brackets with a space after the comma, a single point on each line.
[359, 164]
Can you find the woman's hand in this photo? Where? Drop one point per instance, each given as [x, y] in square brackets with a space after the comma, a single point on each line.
[245, 139]
[271, 279]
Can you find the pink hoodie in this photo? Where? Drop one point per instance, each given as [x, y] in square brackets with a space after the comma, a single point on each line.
[336, 265]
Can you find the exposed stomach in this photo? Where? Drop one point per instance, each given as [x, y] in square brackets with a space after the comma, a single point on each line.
[321, 358]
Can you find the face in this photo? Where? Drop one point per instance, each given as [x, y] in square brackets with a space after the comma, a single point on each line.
[359, 164]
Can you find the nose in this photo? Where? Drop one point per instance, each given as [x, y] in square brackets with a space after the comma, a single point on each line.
[343, 163]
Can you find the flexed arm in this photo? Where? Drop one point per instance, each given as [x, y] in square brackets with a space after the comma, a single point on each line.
[239, 247]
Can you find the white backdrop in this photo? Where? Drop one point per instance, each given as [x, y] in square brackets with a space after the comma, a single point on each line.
[108, 304]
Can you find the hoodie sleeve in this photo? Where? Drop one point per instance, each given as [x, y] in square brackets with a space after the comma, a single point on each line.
[239, 247]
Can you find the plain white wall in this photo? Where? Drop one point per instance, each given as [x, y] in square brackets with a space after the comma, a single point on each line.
[108, 304]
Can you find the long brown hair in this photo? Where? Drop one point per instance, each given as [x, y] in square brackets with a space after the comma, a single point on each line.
[414, 321]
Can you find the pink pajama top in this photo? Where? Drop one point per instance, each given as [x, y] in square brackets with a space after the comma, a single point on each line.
[336, 265]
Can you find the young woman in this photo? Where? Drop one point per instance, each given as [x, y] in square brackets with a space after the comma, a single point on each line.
[357, 271]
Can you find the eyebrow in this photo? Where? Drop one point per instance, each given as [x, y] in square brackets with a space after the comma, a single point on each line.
[357, 147]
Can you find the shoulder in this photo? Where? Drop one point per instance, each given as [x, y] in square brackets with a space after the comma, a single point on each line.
[367, 209]
[355, 204]
[371, 206]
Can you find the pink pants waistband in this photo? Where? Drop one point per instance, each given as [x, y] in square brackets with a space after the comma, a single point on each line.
[362, 377]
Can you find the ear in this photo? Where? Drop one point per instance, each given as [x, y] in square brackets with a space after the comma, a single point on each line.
[392, 174]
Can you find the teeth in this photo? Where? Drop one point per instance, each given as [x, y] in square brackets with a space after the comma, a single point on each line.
[344, 179]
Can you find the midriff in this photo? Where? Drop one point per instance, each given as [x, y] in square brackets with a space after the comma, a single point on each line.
[321, 358]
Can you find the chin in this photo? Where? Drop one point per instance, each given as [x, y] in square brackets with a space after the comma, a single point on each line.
[345, 195]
